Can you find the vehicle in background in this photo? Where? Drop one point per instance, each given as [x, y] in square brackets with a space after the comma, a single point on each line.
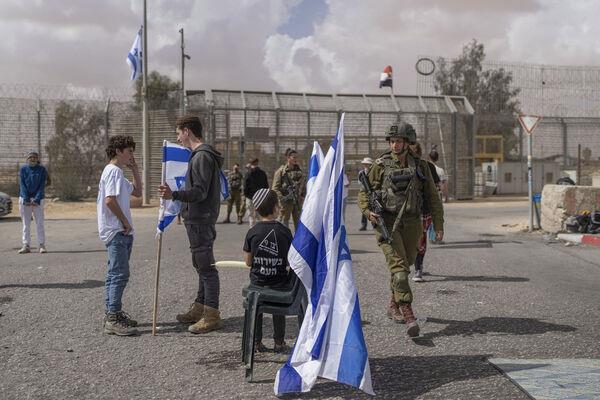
[5, 204]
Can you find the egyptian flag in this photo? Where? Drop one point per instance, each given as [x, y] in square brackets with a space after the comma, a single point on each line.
[386, 77]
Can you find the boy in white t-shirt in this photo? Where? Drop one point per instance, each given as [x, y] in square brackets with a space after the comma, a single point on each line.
[116, 229]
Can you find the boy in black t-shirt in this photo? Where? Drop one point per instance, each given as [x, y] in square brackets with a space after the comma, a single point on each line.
[266, 249]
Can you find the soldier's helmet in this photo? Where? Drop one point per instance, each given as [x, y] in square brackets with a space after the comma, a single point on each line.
[402, 130]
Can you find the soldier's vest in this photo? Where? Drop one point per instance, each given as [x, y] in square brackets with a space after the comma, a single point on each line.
[235, 180]
[402, 185]
[292, 181]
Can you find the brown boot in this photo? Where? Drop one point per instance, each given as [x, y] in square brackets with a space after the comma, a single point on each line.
[211, 321]
[239, 221]
[393, 312]
[193, 315]
[412, 328]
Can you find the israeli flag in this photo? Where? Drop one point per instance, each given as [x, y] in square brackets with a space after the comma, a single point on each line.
[316, 159]
[331, 342]
[134, 57]
[174, 165]
[224, 186]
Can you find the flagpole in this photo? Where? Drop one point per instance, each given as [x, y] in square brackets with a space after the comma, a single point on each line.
[158, 252]
[145, 141]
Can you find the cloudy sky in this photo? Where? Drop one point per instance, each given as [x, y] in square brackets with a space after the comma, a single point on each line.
[289, 45]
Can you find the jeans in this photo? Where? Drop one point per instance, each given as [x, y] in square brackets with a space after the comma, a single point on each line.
[117, 276]
[37, 213]
[201, 239]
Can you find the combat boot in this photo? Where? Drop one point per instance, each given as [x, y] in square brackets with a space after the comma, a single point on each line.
[193, 315]
[115, 324]
[239, 221]
[211, 321]
[412, 328]
[393, 312]
[226, 221]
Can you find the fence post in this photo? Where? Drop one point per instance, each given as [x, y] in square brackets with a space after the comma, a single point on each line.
[566, 160]
[455, 155]
[106, 121]
[370, 134]
[39, 127]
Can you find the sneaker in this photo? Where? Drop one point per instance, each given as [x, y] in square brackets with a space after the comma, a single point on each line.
[115, 324]
[43, 249]
[127, 319]
[25, 249]
[418, 276]
[281, 347]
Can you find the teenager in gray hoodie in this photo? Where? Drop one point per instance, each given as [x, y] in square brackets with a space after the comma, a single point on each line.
[201, 202]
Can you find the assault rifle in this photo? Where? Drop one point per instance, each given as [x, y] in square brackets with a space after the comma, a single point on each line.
[375, 206]
[291, 190]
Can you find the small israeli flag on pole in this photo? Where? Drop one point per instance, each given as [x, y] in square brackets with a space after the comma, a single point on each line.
[134, 57]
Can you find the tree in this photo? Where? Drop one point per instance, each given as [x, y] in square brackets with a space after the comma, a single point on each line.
[489, 92]
[76, 151]
[162, 92]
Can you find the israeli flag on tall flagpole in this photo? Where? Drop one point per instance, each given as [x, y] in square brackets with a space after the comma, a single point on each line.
[331, 342]
[175, 165]
[134, 57]
[316, 160]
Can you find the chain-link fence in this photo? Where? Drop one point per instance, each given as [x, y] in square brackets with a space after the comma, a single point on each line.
[566, 141]
[71, 133]
[244, 125]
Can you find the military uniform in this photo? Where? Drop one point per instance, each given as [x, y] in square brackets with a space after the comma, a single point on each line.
[402, 181]
[290, 185]
[235, 195]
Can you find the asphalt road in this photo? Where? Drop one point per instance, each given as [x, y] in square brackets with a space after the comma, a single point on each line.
[492, 292]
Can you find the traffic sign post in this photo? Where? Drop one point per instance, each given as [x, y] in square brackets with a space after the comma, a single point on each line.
[529, 123]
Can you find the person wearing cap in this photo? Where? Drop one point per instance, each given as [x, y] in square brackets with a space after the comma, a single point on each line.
[290, 185]
[366, 164]
[32, 185]
[266, 249]
[255, 179]
[402, 180]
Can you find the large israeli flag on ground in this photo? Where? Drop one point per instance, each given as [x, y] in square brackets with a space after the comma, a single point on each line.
[134, 57]
[175, 165]
[331, 342]
[314, 165]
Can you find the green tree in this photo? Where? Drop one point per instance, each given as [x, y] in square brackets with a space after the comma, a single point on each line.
[76, 150]
[489, 92]
[162, 92]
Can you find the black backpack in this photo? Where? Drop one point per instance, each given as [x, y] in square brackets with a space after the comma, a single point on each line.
[594, 224]
[578, 223]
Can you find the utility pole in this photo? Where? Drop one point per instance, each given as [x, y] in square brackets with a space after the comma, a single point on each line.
[183, 57]
[145, 140]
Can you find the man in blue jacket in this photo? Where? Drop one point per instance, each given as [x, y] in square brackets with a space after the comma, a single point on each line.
[32, 182]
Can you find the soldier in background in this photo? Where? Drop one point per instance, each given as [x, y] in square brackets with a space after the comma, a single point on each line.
[290, 185]
[401, 180]
[234, 178]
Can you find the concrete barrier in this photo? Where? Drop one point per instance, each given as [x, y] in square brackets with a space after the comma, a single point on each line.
[561, 201]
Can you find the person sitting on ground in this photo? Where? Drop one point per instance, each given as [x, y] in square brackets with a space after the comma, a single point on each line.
[266, 249]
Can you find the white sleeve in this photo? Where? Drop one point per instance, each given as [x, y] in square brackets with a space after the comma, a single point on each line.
[112, 183]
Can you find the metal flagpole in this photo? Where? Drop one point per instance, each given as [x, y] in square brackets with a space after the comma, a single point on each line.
[158, 252]
[530, 181]
[145, 141]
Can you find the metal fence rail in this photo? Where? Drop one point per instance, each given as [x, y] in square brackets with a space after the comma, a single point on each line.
[243, 125]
